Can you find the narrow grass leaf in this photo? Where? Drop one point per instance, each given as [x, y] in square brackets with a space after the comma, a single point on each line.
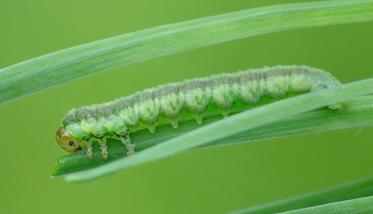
[353, 206]
[76, 62]
[359, 188]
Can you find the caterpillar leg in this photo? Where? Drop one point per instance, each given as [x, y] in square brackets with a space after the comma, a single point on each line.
[198, 117]
[104, 148]
[151, 128]
[89, 149]
[174, 123]
[225, 114]
[127, 142]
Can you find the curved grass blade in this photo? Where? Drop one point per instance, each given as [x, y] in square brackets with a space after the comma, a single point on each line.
[353, 206]
[358, 188]
[358, 113]
[237, 123]
[72, 63]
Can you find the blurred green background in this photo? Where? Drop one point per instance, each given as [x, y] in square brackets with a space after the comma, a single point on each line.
[214, 180]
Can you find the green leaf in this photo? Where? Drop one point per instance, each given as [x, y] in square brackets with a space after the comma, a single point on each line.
[358, 113]
[358, 188]
[243, 121]
[358, 206]
[72, 63]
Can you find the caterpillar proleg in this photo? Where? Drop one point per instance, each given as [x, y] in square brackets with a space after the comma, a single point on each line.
[174, 103]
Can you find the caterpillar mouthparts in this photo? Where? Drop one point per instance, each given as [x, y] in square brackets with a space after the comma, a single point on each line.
[175, 103]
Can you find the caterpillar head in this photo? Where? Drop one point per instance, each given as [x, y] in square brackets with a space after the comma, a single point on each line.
[66, 141]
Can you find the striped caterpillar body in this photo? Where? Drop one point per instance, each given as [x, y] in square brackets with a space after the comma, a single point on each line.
[176, 102]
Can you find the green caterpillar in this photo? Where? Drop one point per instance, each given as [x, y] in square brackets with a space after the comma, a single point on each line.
[177, 102]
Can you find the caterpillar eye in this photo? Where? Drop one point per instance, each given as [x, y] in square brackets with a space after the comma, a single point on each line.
[67, 142]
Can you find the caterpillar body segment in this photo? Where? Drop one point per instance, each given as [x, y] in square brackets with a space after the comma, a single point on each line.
[147, 109]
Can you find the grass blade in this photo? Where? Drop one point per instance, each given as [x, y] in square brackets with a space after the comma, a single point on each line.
[358, 113]
[353, 206]
[358, 188]
[72, 63]
[237, 123]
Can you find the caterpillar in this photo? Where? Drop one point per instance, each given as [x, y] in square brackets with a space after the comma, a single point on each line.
[187, 100]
